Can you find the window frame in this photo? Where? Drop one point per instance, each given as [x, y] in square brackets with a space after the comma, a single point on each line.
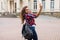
[52, 5]
[43, 3]
[35, 5]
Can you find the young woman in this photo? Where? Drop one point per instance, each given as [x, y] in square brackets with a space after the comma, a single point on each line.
[28, 17]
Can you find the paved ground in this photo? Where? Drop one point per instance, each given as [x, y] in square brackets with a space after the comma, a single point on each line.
[48, 28]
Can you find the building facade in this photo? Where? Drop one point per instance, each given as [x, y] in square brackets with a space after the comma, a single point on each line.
[15, 6]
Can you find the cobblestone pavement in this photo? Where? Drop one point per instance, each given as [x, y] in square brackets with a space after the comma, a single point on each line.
[47, 28]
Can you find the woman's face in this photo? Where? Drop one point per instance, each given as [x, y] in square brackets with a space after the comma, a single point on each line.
[27, 10]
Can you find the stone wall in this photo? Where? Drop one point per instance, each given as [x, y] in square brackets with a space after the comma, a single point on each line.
[55, 14]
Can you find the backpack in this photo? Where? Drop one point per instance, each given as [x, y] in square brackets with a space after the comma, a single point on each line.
[27, 32]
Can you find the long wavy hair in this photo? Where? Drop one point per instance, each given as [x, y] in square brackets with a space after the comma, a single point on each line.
[22, 14]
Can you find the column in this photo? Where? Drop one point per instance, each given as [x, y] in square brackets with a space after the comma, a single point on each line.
[18, 5]
[0, 6]
[5, 6]
[59, 5]
[47, 5]
[8, 6]
[56, 5]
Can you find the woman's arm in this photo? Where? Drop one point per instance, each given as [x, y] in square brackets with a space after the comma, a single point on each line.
[38, 13]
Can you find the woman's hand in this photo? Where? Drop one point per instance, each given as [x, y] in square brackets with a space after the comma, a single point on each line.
[40, 6]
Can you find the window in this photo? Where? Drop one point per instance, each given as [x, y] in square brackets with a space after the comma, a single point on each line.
[52, 5]
[1, 6]
[43, 2]
[35, 4]
[59, 4]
